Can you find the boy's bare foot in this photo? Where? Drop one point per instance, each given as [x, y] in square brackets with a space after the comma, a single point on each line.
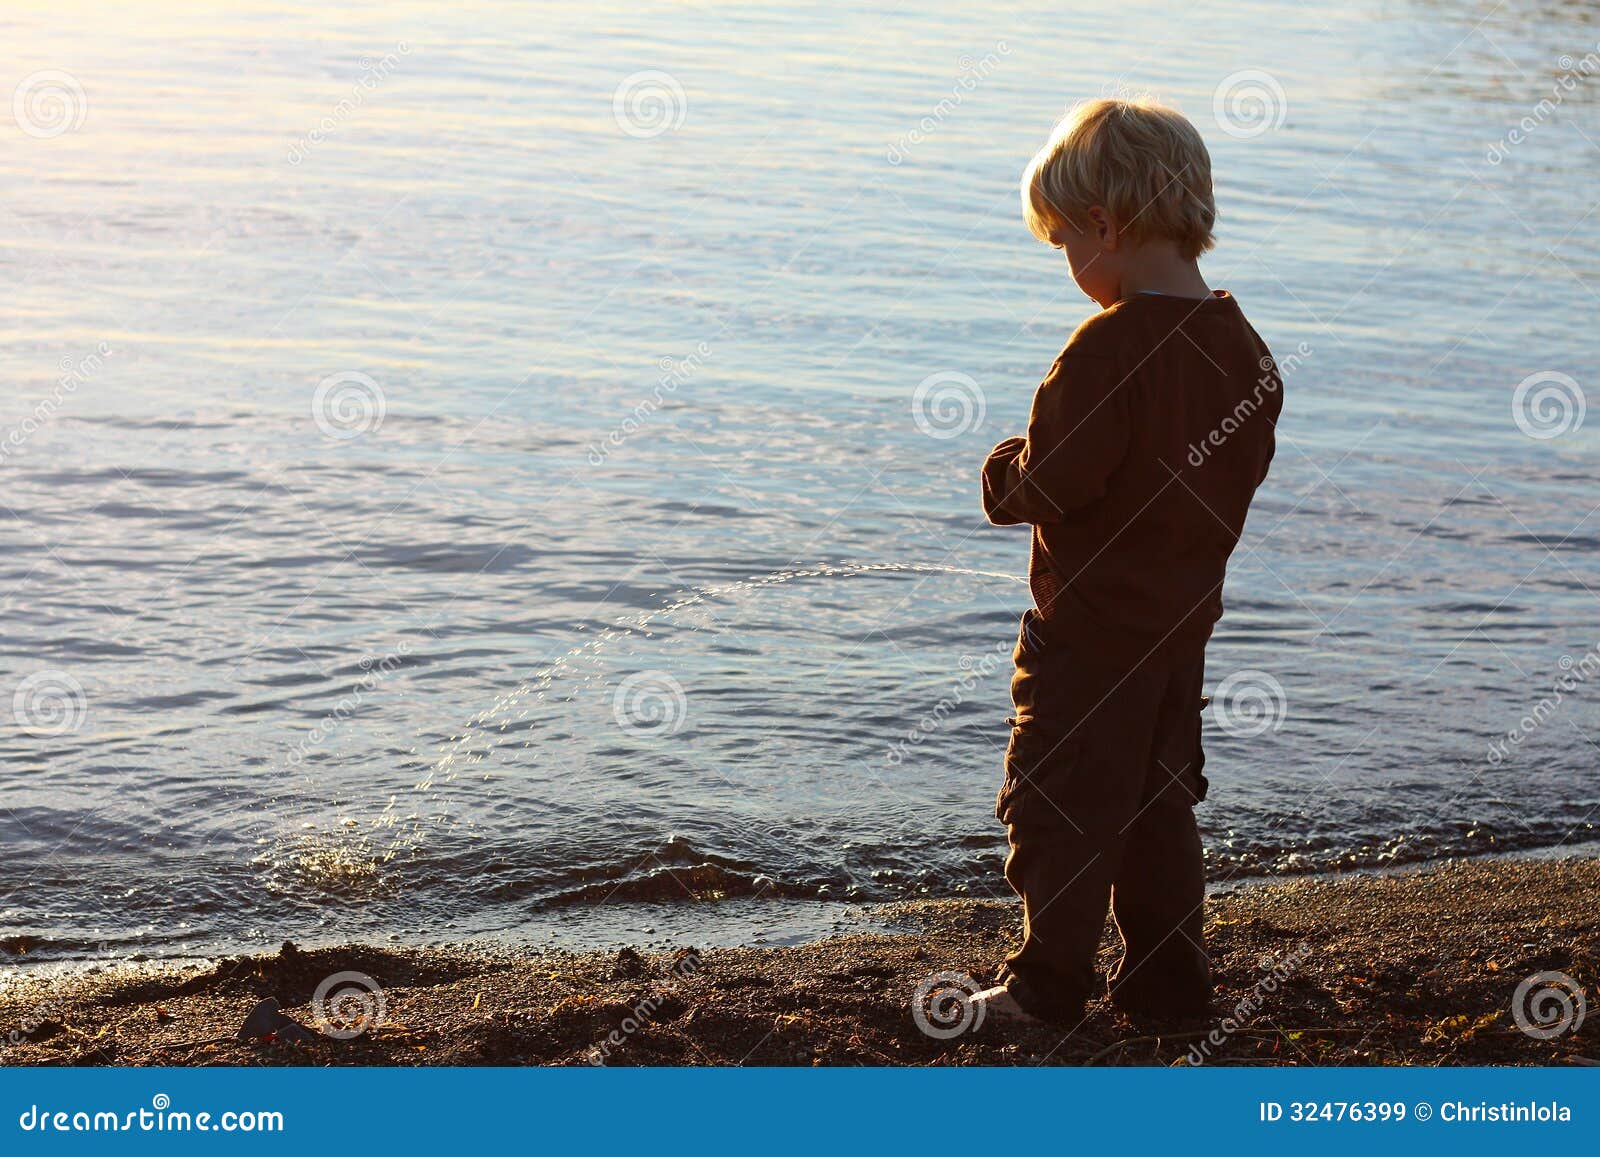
[997, 1007]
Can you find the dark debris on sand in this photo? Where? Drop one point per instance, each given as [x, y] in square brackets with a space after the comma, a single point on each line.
[1412, 969]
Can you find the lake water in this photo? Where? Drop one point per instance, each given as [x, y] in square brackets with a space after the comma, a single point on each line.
[512, 469]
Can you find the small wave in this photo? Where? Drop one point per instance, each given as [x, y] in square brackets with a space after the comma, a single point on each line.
[698, 882]
[328, 863]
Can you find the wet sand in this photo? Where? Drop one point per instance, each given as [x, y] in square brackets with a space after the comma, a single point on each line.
[1418, 968]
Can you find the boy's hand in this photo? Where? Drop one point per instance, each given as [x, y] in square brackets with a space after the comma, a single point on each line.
[996, 471]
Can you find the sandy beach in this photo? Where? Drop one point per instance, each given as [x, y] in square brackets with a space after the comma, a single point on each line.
[1418, 968]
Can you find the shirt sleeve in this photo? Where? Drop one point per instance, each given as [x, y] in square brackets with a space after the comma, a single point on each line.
[995, 469]
[1077, 437]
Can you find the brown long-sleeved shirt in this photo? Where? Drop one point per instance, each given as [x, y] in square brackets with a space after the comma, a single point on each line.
[1147, 440]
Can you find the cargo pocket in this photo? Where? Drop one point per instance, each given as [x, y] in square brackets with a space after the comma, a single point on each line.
[1039, 770]
[1176, 773]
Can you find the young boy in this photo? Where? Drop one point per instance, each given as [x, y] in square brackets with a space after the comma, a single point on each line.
[1147, 440]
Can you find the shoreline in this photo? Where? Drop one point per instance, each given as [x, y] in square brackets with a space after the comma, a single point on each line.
[1417, 967]
[716, 920]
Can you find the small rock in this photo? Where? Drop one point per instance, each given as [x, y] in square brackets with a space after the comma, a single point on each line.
[628, 965]
[268, 1022]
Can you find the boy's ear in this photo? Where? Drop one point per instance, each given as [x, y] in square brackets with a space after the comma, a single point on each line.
[1103, 226]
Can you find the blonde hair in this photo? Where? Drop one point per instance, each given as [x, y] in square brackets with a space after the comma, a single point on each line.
[1144, 162]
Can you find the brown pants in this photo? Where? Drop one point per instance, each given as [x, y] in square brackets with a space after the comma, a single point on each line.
[1102, 775]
